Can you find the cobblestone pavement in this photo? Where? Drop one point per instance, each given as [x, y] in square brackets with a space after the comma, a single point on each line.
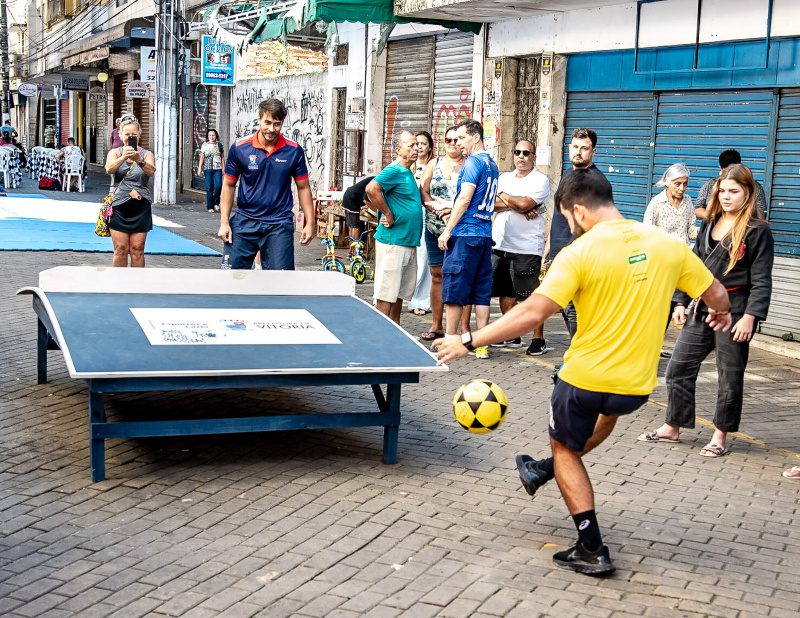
[310, 523]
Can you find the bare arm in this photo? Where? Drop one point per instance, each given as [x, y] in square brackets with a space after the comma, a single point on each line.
[225, 207]
[375, 194]
[149, 164]
[425, 183]
[459, 208]
[520, 204]
[114, 159]
[307, 206]
[200, 164]
[521, 319]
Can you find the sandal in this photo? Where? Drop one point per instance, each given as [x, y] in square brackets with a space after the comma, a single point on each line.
[792, 473]
[418, 311]
[712, 450]
[653, 436]
[431, 335]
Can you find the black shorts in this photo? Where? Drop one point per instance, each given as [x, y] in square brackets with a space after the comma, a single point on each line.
[352, 219]
[515, 275]
[574, 412]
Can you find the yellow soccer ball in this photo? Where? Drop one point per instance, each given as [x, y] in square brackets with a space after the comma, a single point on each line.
[480, 406]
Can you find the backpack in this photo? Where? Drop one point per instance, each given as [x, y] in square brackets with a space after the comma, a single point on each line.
[49, 184]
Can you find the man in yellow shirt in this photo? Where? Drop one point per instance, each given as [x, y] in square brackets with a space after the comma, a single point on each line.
[621, 276]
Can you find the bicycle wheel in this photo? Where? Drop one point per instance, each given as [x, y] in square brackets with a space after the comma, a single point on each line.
[340, 266]
[327, 264]
[358, 272]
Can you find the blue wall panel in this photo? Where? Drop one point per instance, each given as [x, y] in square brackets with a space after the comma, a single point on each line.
[613, 70]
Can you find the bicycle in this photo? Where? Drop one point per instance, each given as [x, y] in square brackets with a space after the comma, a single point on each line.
[356, 267]
[330, 261]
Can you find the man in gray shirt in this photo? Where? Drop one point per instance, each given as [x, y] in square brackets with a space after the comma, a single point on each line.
[726, 158]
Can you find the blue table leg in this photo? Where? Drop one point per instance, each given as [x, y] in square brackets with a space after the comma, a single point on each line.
[97, 447]
[42, 341]
[391, 432]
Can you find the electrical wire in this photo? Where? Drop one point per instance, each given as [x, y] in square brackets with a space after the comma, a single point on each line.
[45, 49]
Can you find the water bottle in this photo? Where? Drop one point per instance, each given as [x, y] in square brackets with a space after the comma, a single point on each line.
[226, 265]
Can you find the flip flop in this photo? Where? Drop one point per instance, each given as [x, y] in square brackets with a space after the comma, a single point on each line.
[418, 311]
[792, 473]
[654, 437]
[712, 450]
[431, 335]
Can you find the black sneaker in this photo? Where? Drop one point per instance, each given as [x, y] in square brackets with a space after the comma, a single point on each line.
[665, 354]
[511, 343]
[580, 559]
[536, 348]
[531, 475]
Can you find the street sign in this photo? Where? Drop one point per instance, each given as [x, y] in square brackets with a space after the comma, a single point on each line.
[28, 90]
[217, 63]
[97, 93]
[75, 82]
[137, 90]
[147, 64]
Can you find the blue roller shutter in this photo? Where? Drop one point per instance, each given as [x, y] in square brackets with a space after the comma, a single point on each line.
[625, 123]
[784, 217]
[694, 127]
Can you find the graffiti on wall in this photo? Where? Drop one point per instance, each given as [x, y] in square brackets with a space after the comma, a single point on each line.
[306, 119]
[448, 115]
[199, 123]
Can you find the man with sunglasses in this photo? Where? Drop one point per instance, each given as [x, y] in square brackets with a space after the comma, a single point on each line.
[518, 235]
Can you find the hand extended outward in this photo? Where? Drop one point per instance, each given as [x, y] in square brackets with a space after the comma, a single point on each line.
[716, 320]
[449, 348]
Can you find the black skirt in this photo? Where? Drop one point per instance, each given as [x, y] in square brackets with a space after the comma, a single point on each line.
[132, 217]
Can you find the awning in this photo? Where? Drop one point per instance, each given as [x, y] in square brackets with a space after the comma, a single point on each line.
[275, 24]
[133, 28]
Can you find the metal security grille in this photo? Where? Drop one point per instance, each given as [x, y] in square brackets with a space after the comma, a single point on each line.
[452, 84]
[204, 117]
[409, 85]
[527, 99]
[340, 103]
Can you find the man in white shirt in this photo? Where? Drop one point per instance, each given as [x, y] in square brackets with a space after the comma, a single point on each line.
[518, 235]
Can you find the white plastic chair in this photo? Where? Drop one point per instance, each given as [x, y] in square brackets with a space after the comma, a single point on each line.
[73, 168]
[5, 167]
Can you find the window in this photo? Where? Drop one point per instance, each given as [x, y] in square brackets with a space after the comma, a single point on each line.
[341, 55]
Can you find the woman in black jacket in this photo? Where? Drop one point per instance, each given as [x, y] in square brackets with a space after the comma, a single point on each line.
[735, 243]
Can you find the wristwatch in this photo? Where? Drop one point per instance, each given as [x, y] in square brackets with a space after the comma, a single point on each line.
[466, 339]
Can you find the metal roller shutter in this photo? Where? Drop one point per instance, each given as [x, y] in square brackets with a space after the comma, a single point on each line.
[409, 77]
[141, 109]
[784, 217]
[452, 84]
[205, 102]
[694, 127]
[101, 137]
[66, 125]
[625, 124]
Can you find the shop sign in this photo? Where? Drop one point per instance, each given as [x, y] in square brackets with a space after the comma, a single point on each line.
[97, 93]
[75, 82]
[216, 62]
[137, 90]
[147, 64]
[28, 90]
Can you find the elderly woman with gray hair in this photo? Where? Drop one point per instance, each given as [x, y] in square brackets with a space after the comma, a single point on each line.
[672, 209]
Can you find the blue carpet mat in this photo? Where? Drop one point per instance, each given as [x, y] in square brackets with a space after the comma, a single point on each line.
[41, 235]
[36, 195]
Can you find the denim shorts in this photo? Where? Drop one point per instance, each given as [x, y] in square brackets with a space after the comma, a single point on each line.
[574, 412]
[435, 254]
[275, 241]
[467, 271]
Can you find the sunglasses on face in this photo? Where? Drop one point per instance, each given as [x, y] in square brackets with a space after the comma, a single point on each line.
[450, 140]
[522, 153]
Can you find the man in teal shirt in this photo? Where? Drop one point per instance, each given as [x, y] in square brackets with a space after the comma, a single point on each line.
[395, 194]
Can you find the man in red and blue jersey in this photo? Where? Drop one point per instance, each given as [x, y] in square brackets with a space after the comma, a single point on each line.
[264, 165]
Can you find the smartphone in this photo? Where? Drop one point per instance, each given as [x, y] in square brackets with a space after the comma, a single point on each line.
[132, 141]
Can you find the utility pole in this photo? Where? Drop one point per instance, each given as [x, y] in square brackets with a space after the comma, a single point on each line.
[166, 134]
[5, 104]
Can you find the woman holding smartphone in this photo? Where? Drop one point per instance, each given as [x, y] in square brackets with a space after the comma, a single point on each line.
[132, 167]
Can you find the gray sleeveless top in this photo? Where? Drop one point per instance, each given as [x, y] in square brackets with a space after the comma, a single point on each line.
[136, 179]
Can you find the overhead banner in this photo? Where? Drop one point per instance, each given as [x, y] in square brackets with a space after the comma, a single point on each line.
[217, 63]
[137, 89]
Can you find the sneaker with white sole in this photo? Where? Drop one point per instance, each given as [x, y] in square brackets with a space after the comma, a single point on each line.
[482, 352]
[510, 343]
[536, 348]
